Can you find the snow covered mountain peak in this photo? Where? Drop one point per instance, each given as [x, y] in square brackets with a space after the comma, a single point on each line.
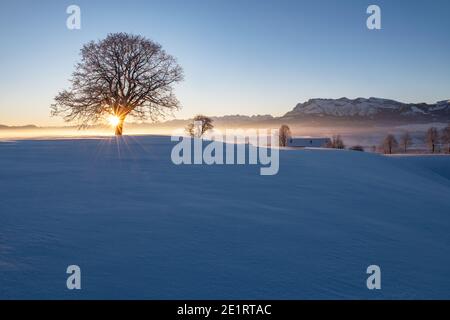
[367, 108]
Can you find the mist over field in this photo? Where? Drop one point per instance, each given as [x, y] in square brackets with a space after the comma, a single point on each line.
[367, 136]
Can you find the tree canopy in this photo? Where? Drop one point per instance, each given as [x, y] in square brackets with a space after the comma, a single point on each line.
[199, 126]
[121, 75]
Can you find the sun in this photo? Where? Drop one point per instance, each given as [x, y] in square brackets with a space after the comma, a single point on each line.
[113, 120]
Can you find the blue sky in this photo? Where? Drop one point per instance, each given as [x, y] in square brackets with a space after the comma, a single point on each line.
[246, 57]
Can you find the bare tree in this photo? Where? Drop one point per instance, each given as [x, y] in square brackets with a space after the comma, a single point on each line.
[336, 143]
[119, 76]
[445, 137]
[389, 143]
[199, 126]
[405, 141]
[432, 138]
[284, 135]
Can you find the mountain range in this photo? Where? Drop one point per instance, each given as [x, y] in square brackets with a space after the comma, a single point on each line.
[371, 109]
[354, 112]
[344, 111]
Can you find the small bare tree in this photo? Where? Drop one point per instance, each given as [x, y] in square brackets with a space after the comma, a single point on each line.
[389, 143]
[336, 143]
[405, 141]
[432, 138]
[284, 135]
[445, 137]
[199, 126]
[121, 75]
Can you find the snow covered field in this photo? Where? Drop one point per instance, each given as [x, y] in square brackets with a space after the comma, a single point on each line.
[141, 227]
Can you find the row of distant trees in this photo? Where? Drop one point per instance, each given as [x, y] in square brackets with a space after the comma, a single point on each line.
[390, 144]
[433, 138]
[200, 124]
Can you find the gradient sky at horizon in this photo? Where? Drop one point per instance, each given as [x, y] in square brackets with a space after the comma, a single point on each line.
[239, 57]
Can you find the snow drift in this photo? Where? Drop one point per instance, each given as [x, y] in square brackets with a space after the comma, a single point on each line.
[141, 227]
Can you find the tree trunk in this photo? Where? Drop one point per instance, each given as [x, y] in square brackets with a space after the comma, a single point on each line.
[119, 127]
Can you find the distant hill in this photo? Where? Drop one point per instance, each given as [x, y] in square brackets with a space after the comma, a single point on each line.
[29, 126]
